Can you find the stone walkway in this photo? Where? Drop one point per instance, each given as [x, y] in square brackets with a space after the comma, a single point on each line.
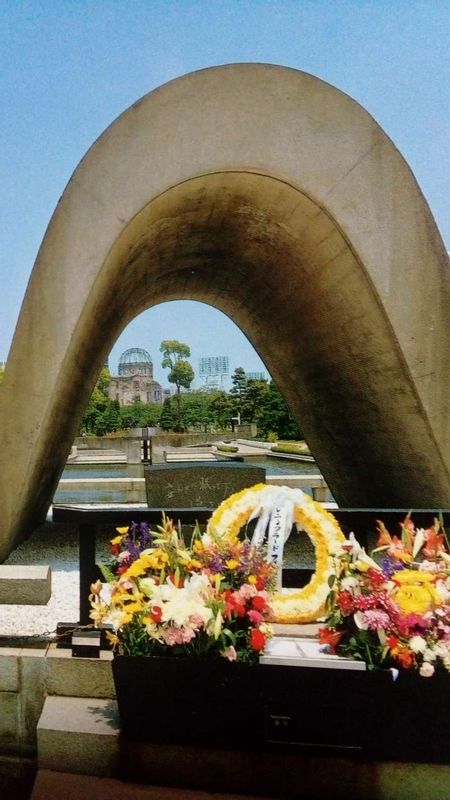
[49, 785]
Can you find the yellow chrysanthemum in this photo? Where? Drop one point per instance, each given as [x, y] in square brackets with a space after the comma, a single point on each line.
[416, 593]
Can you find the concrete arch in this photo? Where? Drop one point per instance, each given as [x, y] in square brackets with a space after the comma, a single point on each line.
[276, 198]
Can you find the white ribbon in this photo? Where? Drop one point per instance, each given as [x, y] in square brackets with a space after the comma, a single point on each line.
[275, 519]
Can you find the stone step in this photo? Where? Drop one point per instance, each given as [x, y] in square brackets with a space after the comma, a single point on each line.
[80, 735]
[177, 457]
[79, 677]
[25, 585]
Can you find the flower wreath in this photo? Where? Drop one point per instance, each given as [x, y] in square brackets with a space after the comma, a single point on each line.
[277, 508]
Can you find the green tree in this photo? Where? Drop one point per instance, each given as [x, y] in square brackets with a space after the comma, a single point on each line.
[196, 411]
[253, 400]
[221, 410]
[181, 373]
[275, 416]
[239, 390]
[99, 401]
[2, 373]
[175, 354]
[167, 420]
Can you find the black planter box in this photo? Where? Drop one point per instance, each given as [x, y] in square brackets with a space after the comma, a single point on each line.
[271, 708]
[188, 701]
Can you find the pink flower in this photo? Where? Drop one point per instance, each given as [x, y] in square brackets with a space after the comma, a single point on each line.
[245, 592]
[373, 620]
[230, 653]
[196, 621]
[255, 616]
[174, 635]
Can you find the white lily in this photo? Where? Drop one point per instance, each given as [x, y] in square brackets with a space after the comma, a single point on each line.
[418, 541]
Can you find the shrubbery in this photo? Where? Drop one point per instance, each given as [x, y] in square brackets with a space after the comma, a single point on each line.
[293, 448]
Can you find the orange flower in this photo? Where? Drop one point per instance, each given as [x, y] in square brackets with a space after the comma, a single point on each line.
[405, 657]
[384, 537]
[434, 541]
[330, 637]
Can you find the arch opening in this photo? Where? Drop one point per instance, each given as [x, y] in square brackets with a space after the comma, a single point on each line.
[301, 229]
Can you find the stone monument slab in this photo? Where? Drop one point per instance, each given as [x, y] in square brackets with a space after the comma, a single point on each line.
[198, 484]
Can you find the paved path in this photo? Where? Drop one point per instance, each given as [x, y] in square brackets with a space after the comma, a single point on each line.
[54, 785]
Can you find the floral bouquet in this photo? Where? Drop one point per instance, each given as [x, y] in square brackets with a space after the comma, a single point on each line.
[396, 613]
[163, 596]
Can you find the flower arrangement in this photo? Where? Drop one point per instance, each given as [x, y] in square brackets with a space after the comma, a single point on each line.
[395, 613]
[264, 502]
[163, 596]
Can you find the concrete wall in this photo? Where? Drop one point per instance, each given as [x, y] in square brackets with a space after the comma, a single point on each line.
[28, 676]
[22, 694]
[299, 219]
[131, 447]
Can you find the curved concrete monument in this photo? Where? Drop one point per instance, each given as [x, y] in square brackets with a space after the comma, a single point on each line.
[276, 198]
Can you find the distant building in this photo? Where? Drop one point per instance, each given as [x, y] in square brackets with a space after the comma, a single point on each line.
[213, 369]
[256, 376]
[135, 379]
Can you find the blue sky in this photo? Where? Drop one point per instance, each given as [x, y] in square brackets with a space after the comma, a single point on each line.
[69, 67]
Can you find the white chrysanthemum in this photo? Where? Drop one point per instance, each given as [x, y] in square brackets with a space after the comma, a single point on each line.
[429, 654]
[426, 670]
[417, 644]
[349, 582]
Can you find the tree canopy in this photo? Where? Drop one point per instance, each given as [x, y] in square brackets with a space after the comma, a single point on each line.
[175, 354]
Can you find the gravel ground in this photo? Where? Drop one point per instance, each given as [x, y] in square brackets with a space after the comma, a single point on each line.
[57, 546]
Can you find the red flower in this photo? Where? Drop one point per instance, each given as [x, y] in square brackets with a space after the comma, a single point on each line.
[330, 637]
[156, 613]
[239, 609]
[257, 640]
[376, 578]
[258, 602]
[179, 584]
[114, 549]
[345, 600]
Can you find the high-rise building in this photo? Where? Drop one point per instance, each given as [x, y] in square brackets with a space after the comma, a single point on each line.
[213, 369]
[256, 376]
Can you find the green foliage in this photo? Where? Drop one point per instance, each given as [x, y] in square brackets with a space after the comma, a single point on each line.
[181, 375]
[140, 415]
[221, 409]
[228, 448]
[275, 416]
[296, 448]
[167, 419]
[175, 354]
[239, 388]
[253, 401]
[94, 419]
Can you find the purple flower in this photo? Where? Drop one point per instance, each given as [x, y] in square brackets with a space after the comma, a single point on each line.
[389, 567]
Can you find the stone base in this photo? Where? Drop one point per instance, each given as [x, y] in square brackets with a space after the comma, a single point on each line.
[20, 585]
